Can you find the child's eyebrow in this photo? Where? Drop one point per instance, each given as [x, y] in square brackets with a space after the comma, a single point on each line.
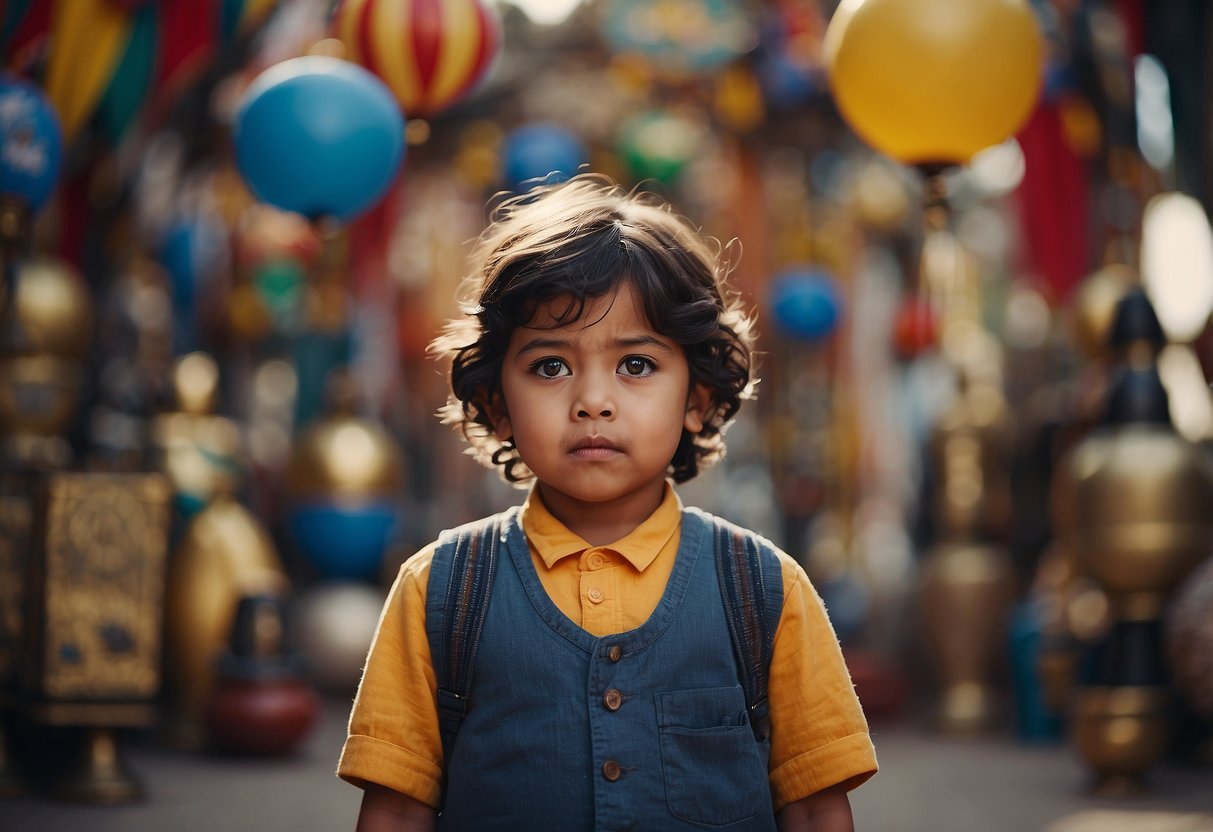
[549, 343]
[542, 343]
[642, 341]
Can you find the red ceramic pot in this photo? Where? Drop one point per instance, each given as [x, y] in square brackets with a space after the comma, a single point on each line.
[261, 717]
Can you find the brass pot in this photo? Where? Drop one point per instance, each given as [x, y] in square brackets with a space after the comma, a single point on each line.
[1142, 513]
[345, 457]
[965, 596]
[53, 309]
[1120, 732]
[224, 555]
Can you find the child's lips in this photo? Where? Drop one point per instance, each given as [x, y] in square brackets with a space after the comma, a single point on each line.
[595, 447]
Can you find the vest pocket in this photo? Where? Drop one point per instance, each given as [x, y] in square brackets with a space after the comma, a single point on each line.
[714, 774]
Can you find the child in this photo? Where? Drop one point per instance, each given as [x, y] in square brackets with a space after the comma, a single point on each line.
[602, 356]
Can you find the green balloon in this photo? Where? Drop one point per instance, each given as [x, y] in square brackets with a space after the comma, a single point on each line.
[658, 145]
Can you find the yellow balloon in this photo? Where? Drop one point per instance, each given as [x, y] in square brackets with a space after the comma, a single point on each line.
[934, 81]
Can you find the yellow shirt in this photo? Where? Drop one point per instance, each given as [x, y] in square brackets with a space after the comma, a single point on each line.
[819, 736]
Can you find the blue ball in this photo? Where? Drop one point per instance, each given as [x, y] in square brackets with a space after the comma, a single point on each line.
[344, 541]
[807, 305]
[31, 143]
[540, 153]
[319, 136]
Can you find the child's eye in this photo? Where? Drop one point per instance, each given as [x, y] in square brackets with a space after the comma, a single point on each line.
[550, 368]
[637, 365]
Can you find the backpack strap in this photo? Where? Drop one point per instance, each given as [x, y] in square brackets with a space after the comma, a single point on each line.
[751, 583]
[455, 638]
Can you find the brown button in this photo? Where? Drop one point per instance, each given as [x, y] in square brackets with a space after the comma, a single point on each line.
[611, 770]
[615, 652]
[596, 561]
[613, 699]
[596, 595]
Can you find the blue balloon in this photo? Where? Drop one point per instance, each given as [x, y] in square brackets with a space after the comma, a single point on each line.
[344, 541]
[540, 153]
[319, 136]
[785, 82]
[807, 305]
[31, 142]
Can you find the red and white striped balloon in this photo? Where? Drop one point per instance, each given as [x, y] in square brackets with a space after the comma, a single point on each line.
[430, 53]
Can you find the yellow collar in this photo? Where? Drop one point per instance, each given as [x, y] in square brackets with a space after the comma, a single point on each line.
[553, 540]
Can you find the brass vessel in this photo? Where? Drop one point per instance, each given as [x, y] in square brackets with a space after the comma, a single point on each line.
[344, 458]
[1121, 731]
[965, 595]
[1142, 511]
[966, 586]
[225, 554]
[47, 331]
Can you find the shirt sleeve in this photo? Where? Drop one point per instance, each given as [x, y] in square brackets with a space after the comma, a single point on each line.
[393, 737]
[819, 735]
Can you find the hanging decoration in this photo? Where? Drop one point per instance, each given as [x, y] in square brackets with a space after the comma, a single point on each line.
[31, 145]
[131, 84]
[540, 153]
[25, 27]
[430, 53]
[679, 38]
[660, 143]
[318, 136]
[788, 61]
[89, 38]
[345, 476]
[806, 303]
[932, 94]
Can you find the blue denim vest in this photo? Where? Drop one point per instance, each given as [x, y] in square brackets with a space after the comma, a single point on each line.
[644, 730]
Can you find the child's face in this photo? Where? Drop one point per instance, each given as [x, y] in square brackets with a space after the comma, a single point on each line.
[596, 408]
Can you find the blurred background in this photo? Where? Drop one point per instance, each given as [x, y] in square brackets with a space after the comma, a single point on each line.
[975, 235]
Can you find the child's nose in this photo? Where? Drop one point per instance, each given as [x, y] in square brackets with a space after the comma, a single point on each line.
[593, 400]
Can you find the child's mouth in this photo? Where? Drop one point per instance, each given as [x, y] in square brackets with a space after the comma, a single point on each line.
[595, 448]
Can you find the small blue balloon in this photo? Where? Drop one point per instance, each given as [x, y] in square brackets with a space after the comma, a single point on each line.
[785, 82]
[344, 541]
[319, 136]
[807, 305]
[540, 153]
[31, 142]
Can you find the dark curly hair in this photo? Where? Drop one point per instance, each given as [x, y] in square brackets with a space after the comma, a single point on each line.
[578, 241]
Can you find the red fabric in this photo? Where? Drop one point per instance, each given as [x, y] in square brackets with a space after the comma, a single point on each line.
[1054, 204]
[370, 236]
[74, 213]
[29, 40]
[1133, 16]
[188, 37]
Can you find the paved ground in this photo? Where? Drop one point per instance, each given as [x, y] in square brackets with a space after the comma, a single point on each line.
[925, 785]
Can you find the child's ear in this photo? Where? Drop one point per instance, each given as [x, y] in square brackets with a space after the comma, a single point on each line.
[494, 407]
[699, 401]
